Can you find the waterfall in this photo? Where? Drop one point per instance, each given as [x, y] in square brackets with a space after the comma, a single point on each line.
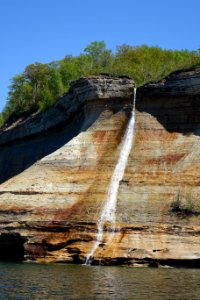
[109, 208]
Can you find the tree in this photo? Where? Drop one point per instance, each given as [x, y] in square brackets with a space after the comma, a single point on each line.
[37, 76]
[99, 56]
[1, 120]
[40, 85]
[16, 92]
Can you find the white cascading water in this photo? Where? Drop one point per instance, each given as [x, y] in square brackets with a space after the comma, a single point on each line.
[109, 208]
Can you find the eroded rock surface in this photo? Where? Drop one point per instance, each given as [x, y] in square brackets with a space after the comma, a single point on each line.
[56, 201]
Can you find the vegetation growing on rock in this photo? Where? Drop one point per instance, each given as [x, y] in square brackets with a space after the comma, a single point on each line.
[184, 206]
[40, 85]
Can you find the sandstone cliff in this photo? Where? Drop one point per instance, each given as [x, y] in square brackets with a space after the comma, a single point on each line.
[56, 168]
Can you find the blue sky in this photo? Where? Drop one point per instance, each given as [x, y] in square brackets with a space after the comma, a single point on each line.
[46, 30]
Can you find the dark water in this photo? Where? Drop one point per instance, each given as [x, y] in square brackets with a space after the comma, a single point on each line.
[33, 281]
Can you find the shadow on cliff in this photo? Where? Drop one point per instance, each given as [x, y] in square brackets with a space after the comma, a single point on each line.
[21, 154]
[176, 114]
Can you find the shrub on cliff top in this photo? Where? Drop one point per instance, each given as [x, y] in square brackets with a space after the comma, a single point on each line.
[40, 85]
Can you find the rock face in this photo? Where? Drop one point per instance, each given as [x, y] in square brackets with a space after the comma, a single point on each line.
[56, 168]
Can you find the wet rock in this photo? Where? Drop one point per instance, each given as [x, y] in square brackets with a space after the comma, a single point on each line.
[68, 156]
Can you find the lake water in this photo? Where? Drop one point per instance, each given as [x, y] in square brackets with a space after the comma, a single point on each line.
[59, 281]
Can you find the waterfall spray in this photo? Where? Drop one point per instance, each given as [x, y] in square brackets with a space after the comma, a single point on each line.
[109, 208]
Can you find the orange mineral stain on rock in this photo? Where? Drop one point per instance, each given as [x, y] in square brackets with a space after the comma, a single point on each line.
[55, 200]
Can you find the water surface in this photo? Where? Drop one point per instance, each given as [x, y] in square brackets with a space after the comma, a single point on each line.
[59, 281]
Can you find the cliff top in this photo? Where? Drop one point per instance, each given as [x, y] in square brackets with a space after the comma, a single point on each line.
[104, 87]
[182, 83]
[81, 92]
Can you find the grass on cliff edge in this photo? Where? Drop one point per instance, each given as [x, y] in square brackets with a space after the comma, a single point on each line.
[40, 85]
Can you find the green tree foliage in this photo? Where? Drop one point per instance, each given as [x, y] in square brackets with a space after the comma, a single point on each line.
[99, 57]
[72, 68]
[1, 120]
[146, 64]
[40, 85]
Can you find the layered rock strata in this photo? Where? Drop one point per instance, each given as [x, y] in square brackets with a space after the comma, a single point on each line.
[56, 169]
